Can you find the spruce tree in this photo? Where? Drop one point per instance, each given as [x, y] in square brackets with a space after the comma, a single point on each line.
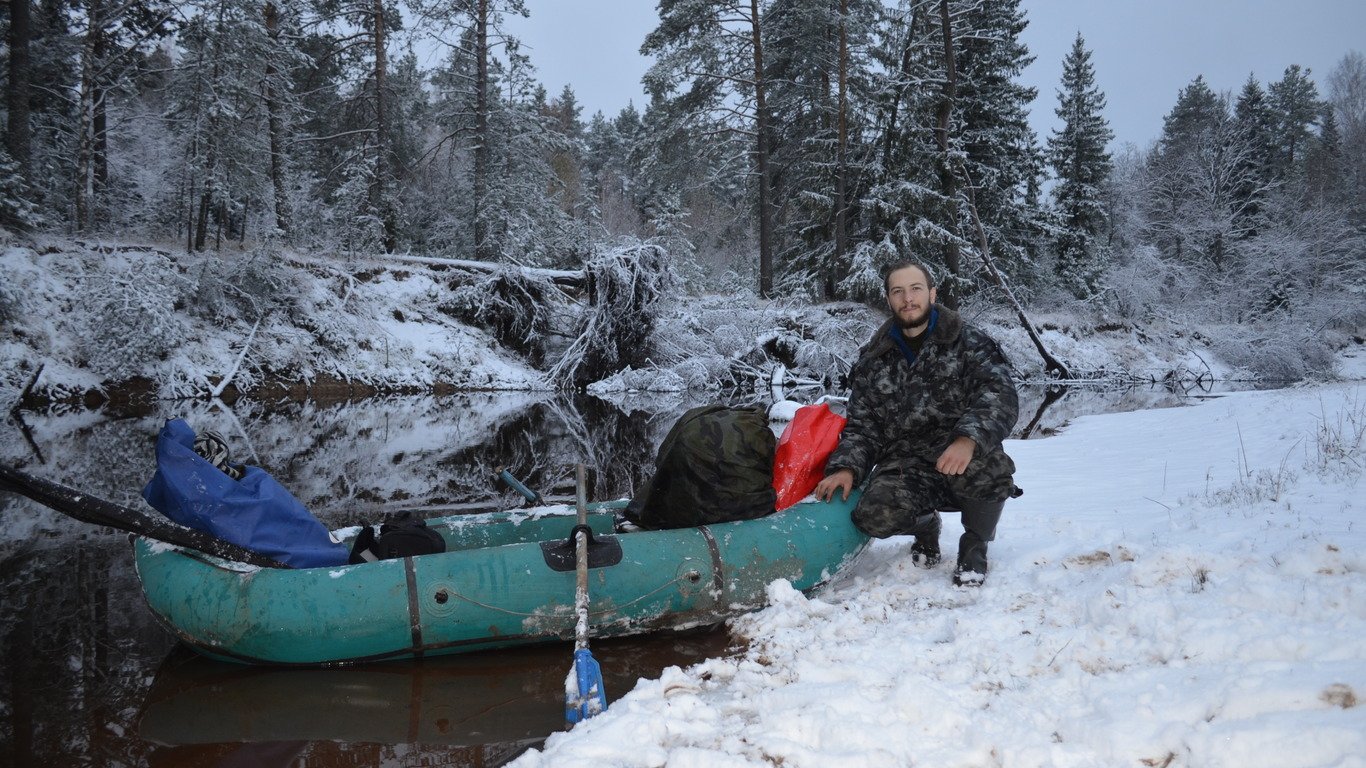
[820, 96]
[1197, 110]
[1190, 177]
[1002, 153]
[1254, 121]
[1078, 155]
[935, 148]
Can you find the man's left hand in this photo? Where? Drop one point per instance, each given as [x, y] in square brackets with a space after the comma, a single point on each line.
[954, 460]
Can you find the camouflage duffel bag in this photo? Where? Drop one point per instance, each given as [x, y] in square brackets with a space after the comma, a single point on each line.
[715, 465]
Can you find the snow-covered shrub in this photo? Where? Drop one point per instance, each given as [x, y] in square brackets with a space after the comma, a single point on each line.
[617, 329]
[864, 281]
[227, 290]
[716, 343]
[133, 318]
[1273, 351]
[16, 210]
[517, 308]
[1142, 283]
[10, 301]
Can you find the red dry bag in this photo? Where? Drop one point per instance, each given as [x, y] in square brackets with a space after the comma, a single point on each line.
[799, 463]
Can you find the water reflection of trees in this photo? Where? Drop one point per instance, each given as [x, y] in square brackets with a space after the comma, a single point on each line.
[77, 643]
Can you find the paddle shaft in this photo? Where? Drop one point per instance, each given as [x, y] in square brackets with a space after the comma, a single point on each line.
[581, 561]
[96, 511]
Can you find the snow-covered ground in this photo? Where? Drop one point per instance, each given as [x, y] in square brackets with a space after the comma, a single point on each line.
[1177, 587]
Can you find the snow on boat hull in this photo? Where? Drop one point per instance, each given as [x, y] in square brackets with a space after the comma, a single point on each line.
[495, 587]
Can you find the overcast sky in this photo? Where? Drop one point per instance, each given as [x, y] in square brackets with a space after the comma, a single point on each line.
[1144, 51]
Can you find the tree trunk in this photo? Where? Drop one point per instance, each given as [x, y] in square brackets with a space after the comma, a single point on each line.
[378, 189]
[211, 180]
[947, 180]
[85, 132]
[889, 136]
[201, 228]
[275, 125]
[841, 160]
[483, 248]
[18, 134]
[242, 225]
[761, 159]
[1051, 363]
[100, 122]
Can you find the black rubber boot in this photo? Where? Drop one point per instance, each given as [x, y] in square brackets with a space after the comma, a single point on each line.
[979, 527]
[925, 550]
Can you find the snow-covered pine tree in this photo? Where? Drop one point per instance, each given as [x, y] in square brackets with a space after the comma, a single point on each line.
[902, 212]
[18, 94]
[225, 144]
[709, 79]
[1324, 178]
[1080, 159]
[508, 150]
[1254, 121]
[115, 35]
[282, 58]
[1191, 178]
[567, 160]
[529, 222]
[53, 71]
[1296, 107]
[609, 179]
[17, 211]
[918, 203]
[356, 113]
[497, 149]
[1002, 157]
[820, 96]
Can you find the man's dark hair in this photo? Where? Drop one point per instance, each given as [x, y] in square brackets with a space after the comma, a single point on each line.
[903, 264]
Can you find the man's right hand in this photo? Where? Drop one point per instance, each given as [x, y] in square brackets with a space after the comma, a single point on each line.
[842, 479]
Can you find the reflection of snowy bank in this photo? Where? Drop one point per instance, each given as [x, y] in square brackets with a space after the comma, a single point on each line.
[346, 461]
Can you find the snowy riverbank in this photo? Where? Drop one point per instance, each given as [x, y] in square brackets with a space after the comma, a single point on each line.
[112, 320]
[1177, 587]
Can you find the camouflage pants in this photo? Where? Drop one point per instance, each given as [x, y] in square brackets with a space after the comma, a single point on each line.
[905, 500]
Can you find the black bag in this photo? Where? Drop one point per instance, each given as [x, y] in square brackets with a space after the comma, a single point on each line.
[715, 465]
[404, 536]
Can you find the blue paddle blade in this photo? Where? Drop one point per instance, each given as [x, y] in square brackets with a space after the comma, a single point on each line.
[584, 694]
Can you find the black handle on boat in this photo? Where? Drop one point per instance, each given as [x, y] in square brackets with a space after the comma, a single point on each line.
[97, 511]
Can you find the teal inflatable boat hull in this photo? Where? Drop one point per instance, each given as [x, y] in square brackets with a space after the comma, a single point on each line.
[502, 582]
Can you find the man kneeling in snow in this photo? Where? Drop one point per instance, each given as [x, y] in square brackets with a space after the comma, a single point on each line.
[932, 400]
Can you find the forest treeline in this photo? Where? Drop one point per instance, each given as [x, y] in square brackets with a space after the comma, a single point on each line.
[790, 146]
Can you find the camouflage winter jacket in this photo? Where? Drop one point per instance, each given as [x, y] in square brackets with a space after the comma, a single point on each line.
[903, 415]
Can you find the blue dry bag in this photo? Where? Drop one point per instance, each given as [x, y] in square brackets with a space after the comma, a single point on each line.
[255, 512]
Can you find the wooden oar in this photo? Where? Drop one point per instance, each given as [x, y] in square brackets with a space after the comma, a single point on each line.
[97, 511]
[584, 694]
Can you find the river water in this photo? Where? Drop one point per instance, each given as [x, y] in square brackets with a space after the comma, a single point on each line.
[90, 678]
